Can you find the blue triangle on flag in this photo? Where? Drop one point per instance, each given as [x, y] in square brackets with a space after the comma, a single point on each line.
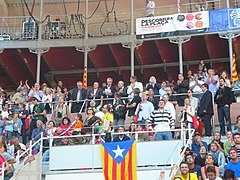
[118, 150]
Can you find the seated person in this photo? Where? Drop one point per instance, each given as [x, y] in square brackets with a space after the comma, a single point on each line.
[198, 143]
[121, 137]
[211, 173]
[185, 174]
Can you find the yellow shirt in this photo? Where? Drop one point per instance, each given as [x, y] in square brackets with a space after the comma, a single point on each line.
[192, 177]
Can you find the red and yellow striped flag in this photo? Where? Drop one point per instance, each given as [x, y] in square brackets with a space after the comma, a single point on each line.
[234, 69]
[85, 77]
[119, 160]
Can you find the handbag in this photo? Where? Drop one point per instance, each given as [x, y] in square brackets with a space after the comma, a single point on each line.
[136, 118]
[196, 123]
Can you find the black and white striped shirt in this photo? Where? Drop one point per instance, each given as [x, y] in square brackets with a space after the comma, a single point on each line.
[163, 120]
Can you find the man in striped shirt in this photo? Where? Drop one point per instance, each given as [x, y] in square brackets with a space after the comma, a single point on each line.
[163, 121]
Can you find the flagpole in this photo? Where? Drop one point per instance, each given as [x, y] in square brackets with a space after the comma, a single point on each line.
[230, 48]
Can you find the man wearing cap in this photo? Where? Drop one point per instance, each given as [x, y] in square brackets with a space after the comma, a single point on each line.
[198, 143]
[205, 110]
[234, 164]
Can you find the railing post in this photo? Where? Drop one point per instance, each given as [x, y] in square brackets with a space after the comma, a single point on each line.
[3, 169]
[30, 145]
[93, 135]
[41, 142]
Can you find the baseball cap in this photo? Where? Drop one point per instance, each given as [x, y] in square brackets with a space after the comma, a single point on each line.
[197, 133]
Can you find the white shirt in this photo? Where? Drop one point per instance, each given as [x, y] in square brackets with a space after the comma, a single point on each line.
[197, 88]
[170, 107]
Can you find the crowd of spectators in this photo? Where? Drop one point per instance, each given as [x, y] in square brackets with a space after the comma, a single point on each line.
[213, 161]
[31, 111]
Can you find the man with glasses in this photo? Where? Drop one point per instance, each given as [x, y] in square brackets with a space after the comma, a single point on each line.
[205, 110]
[234, 164]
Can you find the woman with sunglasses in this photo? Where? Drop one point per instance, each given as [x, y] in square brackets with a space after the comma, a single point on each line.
[91, 121]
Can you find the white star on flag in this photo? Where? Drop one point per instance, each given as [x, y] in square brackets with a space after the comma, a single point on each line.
[118, 152]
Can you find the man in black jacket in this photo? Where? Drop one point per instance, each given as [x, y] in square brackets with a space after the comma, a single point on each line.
[78, 95]
[224, 99]
[205, 111]
[181, 87]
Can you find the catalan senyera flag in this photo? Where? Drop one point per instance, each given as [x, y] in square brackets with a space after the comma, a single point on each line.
[85, 77]
[119, 160]
[234, 69]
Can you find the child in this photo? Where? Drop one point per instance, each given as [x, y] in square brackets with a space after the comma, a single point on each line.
[8, 129]
[17, 125]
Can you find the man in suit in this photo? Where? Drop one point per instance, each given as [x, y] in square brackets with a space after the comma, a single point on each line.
[95, 94]
[122, 91]
[205, 111]
[153, 85]
[79, 94]
[108, 91]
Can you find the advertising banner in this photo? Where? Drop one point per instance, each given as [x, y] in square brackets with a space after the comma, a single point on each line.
[172, 24]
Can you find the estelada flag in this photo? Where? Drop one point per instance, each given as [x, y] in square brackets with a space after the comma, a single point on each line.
[234, 69]
[119, 160]
[85, 77]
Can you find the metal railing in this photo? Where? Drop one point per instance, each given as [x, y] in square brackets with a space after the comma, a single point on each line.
[103, 24]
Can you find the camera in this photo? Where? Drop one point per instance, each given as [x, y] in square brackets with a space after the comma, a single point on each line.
[59, 114]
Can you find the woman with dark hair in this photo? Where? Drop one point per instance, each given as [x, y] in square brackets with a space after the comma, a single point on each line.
[66, 126]
[209, 162]
[132, 128]
[211, 173]
[91, 121]
[229, 175]
[51, 129]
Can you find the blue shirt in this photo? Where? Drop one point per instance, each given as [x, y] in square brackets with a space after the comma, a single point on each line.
[234, 167]
[117, 139]
[9, 127]
[36, 134]
[1, 126]
[196, 147]
[17, 125]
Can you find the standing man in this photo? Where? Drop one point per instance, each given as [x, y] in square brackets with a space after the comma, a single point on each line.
[212, 80]
[205, 111]
[153, 85]
[163, 121]
[78, 95]
[108, 91]
[95, 94]
[144, 110]
[150, 8]
[224, 99]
